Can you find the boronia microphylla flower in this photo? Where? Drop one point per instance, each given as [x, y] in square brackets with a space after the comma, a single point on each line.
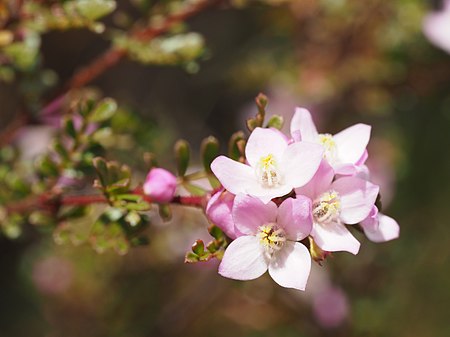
[346, 200]
[343, 151]
[269, 241]
[274, 166]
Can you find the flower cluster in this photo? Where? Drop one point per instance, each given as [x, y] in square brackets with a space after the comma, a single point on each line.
[291, 193]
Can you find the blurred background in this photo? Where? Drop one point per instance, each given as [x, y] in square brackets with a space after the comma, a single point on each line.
[348, 62]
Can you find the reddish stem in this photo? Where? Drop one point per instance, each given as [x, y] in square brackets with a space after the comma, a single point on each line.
[53, 203]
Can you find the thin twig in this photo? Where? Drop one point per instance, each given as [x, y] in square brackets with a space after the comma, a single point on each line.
[53, 203]
[107, 60]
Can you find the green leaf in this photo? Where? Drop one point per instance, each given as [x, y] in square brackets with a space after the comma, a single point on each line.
[216, 232]
[191, 258]
[234, 148]
[198, 248]
[102, 170]
[194, 189]
[104, 110]
[165, 212]
[95, 9]
[276, 122]
[209, 151]
[69, 128]
[182, 156]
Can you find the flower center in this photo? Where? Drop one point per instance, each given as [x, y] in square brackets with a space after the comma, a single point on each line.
[267, 171]
[271, 237]
[327, 207]
[329, 145]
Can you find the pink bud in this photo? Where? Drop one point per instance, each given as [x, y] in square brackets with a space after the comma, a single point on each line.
[218, 211]
[160, 185]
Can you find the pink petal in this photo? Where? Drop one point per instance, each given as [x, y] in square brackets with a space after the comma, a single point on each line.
[300, 162]
[265, 194]
[263, 142]
[234, 176]
[249, 213]
[388, 229]
[290, 266]
[320, 183]
[357, 198]
[302, 121]
[363, 159]
[244, 259]
[334, 237]
[371, 222]
[218, 211]
[294, 216]
[352, 142]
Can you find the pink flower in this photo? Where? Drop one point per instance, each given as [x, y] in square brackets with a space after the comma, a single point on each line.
[347, 200]
[274, 169]
[436, 27]
[269, 241]
[379, 227]
[218, 211]
[343, 151]
[160, 185]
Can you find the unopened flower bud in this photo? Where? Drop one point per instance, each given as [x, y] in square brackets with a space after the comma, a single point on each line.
[160, 185]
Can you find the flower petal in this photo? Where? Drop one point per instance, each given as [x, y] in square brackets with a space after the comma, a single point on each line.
[435, 28]
[294, 216]
[302, 121]
[300, 162]
[320, 183]
[388, 229]
[357, 198]
[290, 266]
[263, 142]
[249, 213]
[265, 194]
[234, 176]
[334, 237]
[244, 259]
[352, 142]
[218, 211]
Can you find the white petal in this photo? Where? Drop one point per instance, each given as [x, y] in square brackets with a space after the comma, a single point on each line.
[294, 216]
[334, 237]
[290, 266]
[244, 259]
[267, 194]
[388, 229]
[249, 213]
[300, 162]
[436, 26]
[234, 176]
[302, 121]
[352, 142]
[357, 198]
[263, 142]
